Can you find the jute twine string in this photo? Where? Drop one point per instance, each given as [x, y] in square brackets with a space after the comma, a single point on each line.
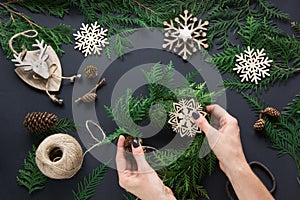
[25, 34]
[60, 156]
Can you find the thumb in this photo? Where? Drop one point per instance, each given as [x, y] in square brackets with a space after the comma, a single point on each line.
[211, 133]
[138, 153]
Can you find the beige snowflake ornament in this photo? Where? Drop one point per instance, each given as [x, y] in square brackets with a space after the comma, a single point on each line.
[252, 65]
[182, 121]
[187, 36]
[91, 39]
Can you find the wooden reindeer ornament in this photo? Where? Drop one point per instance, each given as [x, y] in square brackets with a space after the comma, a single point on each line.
[39, 68]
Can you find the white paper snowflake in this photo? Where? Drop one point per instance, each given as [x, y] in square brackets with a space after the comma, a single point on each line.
[91, 39]
[187, 37]
[252, 65]
[182, 121]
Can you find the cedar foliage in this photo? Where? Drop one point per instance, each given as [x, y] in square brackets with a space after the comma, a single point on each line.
[184, 175]
[62, 126]
[31, 177]
[87, 188]
[283, 49]
[283, 132]
[12, 21]
[122, 17]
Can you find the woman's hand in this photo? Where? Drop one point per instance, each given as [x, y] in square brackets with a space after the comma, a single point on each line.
[224, 139]
[136, 175]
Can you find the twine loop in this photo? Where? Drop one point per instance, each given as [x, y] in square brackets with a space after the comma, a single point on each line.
[25, 34]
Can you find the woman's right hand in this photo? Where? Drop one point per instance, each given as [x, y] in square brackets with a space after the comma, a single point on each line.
[223, 137]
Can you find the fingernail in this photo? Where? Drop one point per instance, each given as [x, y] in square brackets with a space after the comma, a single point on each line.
[195, 115]
[135, 143]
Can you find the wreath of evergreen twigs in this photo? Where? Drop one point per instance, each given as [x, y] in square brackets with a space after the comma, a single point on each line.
[184, 169]
[283, 132]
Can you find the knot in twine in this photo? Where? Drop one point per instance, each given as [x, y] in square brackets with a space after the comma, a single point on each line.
[59, 156]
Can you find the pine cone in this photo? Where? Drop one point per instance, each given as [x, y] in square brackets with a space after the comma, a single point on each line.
[272, 112]
[91, 72]
[37, 122]
[259, 125]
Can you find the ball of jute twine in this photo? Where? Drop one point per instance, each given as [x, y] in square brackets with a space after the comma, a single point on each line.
[59, 156]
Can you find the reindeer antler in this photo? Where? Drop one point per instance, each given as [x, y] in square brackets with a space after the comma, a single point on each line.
[41, 46]
[20, 63]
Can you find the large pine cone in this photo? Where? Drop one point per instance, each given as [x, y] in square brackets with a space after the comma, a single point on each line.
[259, 125]
[37, 122]
[272, 112]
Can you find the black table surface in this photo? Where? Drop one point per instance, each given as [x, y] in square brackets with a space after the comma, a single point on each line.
[17, 99]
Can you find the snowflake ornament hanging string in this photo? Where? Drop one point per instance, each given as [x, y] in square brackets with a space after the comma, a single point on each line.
[252, 65]
[187, 37]
[90, 39]
[181, 120]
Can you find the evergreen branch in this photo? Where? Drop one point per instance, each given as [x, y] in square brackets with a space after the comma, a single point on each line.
[55, 8]
[184, 168]
[284, 131]
[12, 12]
[254, 102]
[296, 27]
[31, 177]
[53, 36]
[62, 126]
[147, 8]
[87, 188]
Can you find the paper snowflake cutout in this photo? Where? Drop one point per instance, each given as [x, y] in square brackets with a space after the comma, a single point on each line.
[252, 65]
[182, 121]
[187, 37]
[91, 39]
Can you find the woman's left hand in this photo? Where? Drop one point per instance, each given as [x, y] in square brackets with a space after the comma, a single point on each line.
[140, 180]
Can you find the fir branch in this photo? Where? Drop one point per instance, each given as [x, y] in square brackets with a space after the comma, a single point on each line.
[184, 168]
[147, 8]
[21, 15]
[55, 8]
[62, 126]
[87, 188]
[254, 102]
[31, 177]
[185, 173]
[121, 45]
[53, 36]
[283, 132]
[229, 16]
[283, 49]
[296, 27]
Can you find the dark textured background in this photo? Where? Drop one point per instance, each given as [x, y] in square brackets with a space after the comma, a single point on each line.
[17, 99]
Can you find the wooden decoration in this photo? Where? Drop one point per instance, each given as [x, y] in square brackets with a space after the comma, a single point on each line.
[38, 82]
[39, 68]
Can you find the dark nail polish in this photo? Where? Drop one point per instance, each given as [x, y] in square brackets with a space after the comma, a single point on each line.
[135, 143]
[195, 115]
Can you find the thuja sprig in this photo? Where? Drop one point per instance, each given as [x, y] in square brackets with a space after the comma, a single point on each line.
[183, 175]
[30, 176]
